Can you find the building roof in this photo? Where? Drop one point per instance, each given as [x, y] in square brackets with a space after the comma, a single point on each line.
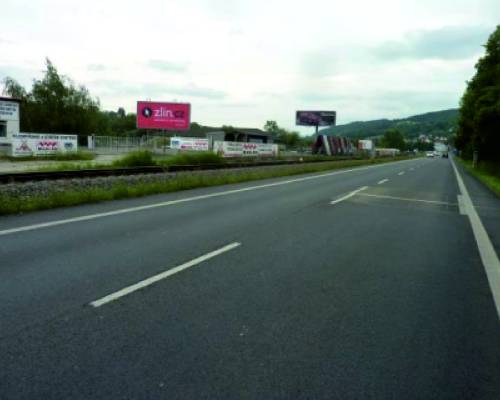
[247, 131]
[253, 131]
[10, 99]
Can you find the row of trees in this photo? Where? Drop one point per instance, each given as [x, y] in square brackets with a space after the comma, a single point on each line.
[291, 139]
[394, 139]
[56, 104]
[479, 120]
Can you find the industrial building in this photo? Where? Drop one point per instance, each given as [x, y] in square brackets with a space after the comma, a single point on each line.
[9, 122]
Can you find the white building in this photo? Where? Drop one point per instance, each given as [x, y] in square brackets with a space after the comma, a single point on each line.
[9, 121]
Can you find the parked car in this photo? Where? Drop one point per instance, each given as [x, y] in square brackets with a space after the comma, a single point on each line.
[430, 154]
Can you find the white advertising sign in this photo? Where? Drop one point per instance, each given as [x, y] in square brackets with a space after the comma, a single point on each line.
[194, 144]
[240, 149]
[42, 144]
[365, 145]
[9, 110]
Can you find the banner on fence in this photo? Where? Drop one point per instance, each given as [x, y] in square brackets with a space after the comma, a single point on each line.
[240, 149]
[42, 144]
[193, 144]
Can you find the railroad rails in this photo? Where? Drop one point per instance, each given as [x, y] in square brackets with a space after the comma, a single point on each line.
[13, 177]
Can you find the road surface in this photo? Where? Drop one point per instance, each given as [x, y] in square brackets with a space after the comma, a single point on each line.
[354, 284]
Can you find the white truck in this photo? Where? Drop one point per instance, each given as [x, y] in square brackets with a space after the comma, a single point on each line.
[441, 149]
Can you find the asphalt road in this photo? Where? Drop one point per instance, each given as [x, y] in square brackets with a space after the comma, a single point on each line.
[359, 284]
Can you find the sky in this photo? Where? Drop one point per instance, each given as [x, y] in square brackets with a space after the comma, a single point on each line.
[244, 62]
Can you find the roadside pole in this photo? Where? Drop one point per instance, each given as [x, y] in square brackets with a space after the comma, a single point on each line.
[475, 157]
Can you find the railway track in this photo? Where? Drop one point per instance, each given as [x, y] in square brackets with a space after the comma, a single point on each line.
[14, 177]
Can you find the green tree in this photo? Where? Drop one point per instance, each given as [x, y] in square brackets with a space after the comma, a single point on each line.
[271, 127]
[283, 136]
[55, 104]
[121, 112]
[393, 139]
[13, 89]
[479, 119]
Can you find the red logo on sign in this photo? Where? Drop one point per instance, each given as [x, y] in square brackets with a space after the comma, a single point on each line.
[47, 145]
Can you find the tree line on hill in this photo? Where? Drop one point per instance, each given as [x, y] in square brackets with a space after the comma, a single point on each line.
[432, 124]
[479, 120]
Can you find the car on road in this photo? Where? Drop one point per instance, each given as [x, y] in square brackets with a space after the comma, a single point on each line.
[430, 154]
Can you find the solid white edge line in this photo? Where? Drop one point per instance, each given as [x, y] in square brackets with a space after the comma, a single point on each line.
[184, 200]
[380, 196]
[461, 205]
[487, 252]
[149, 281]
[349, 195]
[382, 181]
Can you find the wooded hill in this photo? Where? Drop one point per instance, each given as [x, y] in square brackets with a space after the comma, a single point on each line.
[437, 123]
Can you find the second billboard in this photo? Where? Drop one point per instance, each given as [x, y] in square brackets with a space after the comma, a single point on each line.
[315, 118]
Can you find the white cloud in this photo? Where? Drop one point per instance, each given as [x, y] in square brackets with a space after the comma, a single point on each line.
[165, 65]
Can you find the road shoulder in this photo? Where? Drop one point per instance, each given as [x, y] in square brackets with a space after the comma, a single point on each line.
[487, 205]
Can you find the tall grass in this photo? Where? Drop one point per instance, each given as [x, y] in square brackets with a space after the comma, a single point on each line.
[145, 158]
[141, 158]
[192, 159]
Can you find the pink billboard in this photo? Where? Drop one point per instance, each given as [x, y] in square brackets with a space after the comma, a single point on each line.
[167, 116]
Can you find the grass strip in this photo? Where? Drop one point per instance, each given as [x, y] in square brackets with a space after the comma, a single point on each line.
[68, 156]
[16, 204]
[487, 173]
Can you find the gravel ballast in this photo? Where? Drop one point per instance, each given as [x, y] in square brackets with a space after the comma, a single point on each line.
[37, 195]
[48, 187]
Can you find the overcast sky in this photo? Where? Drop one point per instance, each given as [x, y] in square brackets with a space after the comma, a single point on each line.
[243, 62]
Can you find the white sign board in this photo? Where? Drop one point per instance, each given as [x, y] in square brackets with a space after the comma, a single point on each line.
[9, 110]
[193, 144]
[240, 149]
[365, 145]
[42, 144]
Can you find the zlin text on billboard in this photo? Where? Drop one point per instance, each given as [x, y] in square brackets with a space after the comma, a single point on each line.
[167, 116]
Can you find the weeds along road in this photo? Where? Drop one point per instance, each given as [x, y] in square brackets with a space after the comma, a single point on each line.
[355, 284]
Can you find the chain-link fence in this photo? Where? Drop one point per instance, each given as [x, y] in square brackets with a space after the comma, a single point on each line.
[125, 144]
